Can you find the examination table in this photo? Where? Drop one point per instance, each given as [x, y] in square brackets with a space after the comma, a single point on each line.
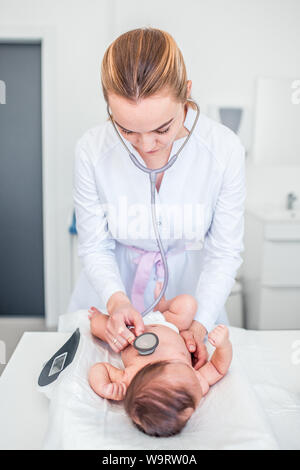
[270, 359]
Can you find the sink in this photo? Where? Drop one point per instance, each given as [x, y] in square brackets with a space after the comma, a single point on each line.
[270, 213]
[284, 215]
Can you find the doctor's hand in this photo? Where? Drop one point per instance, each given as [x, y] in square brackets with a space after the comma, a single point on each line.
[194, 338]
[122, 314]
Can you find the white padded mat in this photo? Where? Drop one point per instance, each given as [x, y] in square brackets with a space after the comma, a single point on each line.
[271, 360]
[230, 416]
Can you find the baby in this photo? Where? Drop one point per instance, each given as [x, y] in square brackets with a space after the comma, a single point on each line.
[162, 390]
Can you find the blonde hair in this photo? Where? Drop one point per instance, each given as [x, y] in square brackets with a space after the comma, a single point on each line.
[143, 62]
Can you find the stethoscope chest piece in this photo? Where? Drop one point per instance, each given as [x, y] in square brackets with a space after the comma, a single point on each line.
[146, 343]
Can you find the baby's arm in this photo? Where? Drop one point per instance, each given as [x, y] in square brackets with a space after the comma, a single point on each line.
[106, 381]
[218, 365]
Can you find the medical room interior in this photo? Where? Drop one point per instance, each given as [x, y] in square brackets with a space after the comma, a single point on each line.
[243, 57]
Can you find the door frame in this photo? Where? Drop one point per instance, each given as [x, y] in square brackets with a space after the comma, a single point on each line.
[46, 36]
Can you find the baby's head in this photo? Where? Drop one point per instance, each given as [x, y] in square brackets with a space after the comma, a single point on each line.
[162, 397]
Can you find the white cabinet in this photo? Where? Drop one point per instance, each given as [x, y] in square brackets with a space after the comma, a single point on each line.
[271, 273]
[280, 264]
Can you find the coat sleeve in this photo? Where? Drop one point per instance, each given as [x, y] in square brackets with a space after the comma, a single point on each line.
[95, 243]
[223, 242]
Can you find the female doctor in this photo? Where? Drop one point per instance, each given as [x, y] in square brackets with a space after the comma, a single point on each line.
[199, 199]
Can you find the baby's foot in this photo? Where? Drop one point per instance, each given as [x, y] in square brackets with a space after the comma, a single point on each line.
[219, 336]
[92, 312]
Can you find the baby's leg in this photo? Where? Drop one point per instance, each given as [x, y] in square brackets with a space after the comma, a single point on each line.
[181, 311]
[163, 304]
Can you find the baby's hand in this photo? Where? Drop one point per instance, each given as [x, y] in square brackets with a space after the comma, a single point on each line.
[219, 336]
[114, 391]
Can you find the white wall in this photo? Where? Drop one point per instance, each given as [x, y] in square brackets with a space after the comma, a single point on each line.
[226, 45]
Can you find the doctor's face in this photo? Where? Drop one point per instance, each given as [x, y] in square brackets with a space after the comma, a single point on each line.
[151, 125]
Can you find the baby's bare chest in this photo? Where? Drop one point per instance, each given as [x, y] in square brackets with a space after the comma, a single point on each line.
[171, 346]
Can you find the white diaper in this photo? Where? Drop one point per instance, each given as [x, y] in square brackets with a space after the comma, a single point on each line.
[157, 318]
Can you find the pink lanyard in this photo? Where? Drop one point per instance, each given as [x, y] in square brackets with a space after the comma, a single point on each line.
[145, 262]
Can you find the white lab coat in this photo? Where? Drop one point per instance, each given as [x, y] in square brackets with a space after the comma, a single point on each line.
[109, 189]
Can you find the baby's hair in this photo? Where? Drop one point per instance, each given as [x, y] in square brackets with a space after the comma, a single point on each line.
[154, 408]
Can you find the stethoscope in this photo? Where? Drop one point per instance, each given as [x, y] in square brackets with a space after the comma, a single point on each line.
[147, 342]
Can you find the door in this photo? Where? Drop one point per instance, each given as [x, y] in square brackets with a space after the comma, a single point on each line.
[21, 196]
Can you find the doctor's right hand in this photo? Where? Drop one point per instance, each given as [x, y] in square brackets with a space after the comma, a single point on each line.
[122, 314]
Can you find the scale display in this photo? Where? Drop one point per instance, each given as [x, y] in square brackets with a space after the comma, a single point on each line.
[58, 364]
